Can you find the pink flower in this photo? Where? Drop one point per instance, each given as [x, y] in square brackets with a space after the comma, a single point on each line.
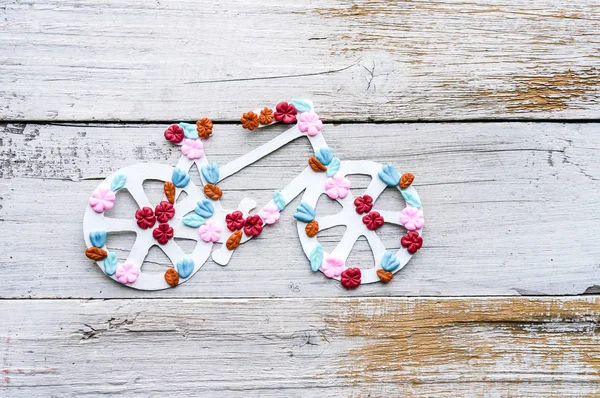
[102, 199]
[337, 187]
[412, 218]
[332, 267]
[269, 214]
[193, 149]
[127, 273]
[210, 232]
[309, 123]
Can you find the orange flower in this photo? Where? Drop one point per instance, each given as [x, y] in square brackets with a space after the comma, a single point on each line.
[266, 116]
[249, 120]
[204, 127]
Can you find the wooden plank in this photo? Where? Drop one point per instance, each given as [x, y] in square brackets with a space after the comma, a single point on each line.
[545, 347]
[511, 208]
[363, 60]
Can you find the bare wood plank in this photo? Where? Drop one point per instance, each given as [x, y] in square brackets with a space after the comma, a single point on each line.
[363, 60]
[511, 208]
[301, 347]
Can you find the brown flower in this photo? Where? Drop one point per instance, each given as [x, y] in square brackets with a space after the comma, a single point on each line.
[204, 127]
[266, 116]
[249, 120]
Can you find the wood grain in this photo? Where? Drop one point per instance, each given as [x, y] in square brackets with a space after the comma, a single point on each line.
[511, 208]
[418, 347]
[369, 60]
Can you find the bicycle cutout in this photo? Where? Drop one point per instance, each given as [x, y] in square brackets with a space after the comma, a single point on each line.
[200, 216]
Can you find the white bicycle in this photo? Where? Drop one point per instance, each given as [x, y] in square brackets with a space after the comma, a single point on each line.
[200, 216]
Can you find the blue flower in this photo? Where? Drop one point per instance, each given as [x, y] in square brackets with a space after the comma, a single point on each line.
[185, 267]
[110, 263]
[204, 208]
[325, 155]
[304, 212]
[210, 173]
[180, 178]
[98, 238]
[389, 175]
[389, 262]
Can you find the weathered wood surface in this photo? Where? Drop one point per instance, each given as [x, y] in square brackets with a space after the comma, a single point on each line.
[511, 208]
[364, 60]
[301, 347]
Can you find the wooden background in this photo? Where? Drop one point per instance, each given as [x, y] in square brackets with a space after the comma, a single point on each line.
[492, 105]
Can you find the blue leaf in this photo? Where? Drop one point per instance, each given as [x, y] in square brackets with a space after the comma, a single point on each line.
[325, 155]
[118, 182]
[302, 105]
[304, 212]
[185, 267]
[333, 167]
[210, 173]
[193, 220]
[110, 263]
[204, 208]
[279, 201]
[180, 178]
[411, 198]
[98, 238]
[316, 258]
[189, 130]
[389, 175]
[389, 262]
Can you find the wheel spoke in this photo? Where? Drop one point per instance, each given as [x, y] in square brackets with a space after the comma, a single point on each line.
[375, 187]
[377, 246]
[136, 189]
[332, 220]
[346, 244]
[139, 251]
[119, 224]
[390, 216]
[173, 251]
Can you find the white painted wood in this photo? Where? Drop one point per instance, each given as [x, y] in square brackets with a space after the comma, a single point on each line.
[511, 208]
[300, 348]
[361, 60]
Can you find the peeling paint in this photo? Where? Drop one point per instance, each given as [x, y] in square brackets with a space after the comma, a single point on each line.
[515, 339]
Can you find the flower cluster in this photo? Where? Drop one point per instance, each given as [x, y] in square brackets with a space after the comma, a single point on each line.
[146, 218]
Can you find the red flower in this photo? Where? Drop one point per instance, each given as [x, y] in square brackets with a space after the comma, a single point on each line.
[363, 204]
[164, 211]
[351, 278]
[412, 241]
[174, 134]
[253, 226]
[145, 218]
[163, 233]
[373, 220]
[235, 220]
[285, 112]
